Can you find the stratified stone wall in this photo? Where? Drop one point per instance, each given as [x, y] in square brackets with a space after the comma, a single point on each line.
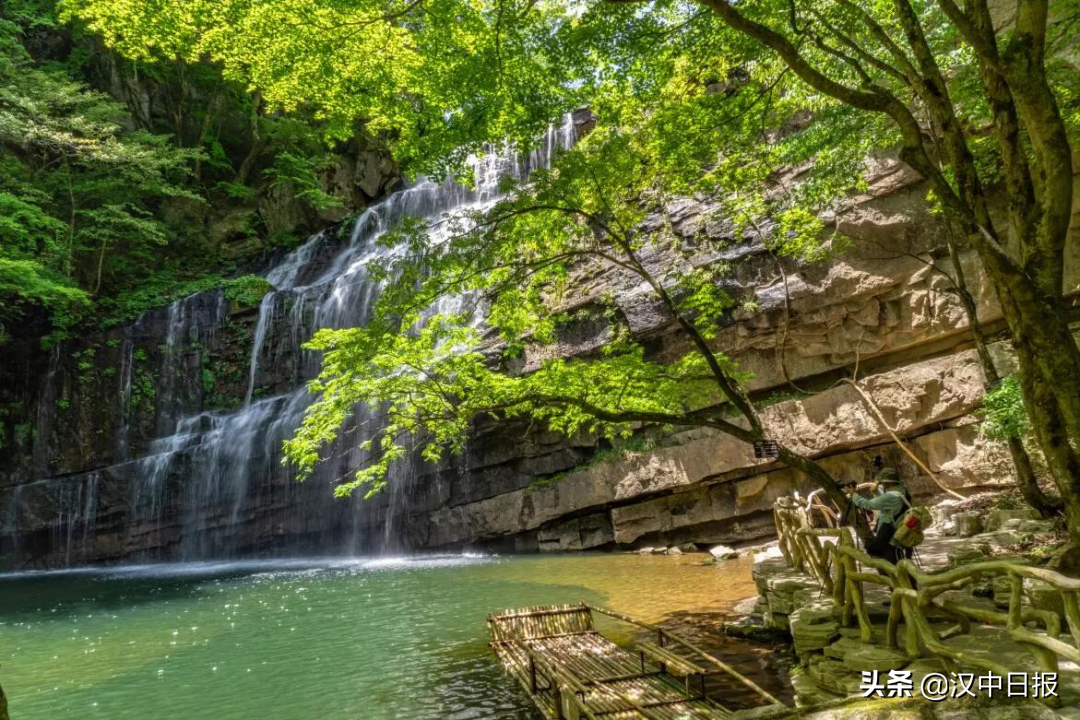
[885, 305]
[881, 304]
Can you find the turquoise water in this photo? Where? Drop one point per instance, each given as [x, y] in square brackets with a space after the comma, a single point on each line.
[366, 639]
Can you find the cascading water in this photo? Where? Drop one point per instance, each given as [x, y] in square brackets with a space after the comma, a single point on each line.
[79, 508]
[68, 507]
[45, 410]
[127, 371]
[212, 485]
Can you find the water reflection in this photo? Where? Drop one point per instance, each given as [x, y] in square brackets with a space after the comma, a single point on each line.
[393, 639]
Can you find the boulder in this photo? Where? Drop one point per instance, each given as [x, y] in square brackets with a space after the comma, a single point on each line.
[766, 570]
[776, 621]
[833, 675]
[771, 552]
[967, 555]
[813, 626]
[996, 518]
[808, 692]
[842, 647]
[723, 552]
[1035, 527]
[673, 551]
[943, 512]
[746, 606]
[781, 590]
[1002, 591]
[873, 657]
[1044, 596]
[968, 524]
[1004, 538]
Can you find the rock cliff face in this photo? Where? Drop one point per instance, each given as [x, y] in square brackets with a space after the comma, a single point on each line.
[160, 440]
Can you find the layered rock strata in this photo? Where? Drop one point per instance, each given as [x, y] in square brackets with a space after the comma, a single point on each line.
[82, 421]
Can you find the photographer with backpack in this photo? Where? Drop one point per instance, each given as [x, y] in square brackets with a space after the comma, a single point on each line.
[892, 503]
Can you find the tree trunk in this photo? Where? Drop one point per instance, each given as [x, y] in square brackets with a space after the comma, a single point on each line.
[1026, 480]
[1049, 372]
[1049, 428]
[100, 267]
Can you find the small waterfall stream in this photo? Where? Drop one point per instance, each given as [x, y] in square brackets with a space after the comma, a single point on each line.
[212, 485]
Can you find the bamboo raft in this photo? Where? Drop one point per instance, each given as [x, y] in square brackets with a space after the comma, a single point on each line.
[572, 672]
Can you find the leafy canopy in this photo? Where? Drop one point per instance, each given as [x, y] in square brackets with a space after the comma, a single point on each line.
[526, 265]
[77, 189]
[768, 109]
[431, 71]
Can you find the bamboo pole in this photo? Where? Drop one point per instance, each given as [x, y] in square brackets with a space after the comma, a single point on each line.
[687, 644]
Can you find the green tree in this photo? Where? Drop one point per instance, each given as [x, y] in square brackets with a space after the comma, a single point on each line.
[77, 191]
[431, 72]
[739, 95]
[112, 203]
[601, 208]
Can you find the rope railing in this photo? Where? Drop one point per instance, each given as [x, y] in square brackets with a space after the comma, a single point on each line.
[917, 596]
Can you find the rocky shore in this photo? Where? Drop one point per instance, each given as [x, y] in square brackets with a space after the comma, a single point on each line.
[830, 659]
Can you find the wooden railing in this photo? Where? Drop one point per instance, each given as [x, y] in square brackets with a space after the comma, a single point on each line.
[916, 596]
[802, 550]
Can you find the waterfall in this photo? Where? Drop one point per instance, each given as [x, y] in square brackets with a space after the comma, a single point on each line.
[43, 422]
[78, 511]
[266, 315]
[126, 374]
[190, 323]
[212, 484]
[67, 507]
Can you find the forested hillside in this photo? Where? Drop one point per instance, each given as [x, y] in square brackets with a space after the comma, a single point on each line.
[125, 184]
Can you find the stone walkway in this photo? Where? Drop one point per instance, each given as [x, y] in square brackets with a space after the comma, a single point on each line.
[994, 642]
[833, 657]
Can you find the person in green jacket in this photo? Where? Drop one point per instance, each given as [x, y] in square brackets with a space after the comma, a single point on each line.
[890, 501]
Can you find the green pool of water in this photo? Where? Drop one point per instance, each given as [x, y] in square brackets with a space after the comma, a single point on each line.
[386, 639]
